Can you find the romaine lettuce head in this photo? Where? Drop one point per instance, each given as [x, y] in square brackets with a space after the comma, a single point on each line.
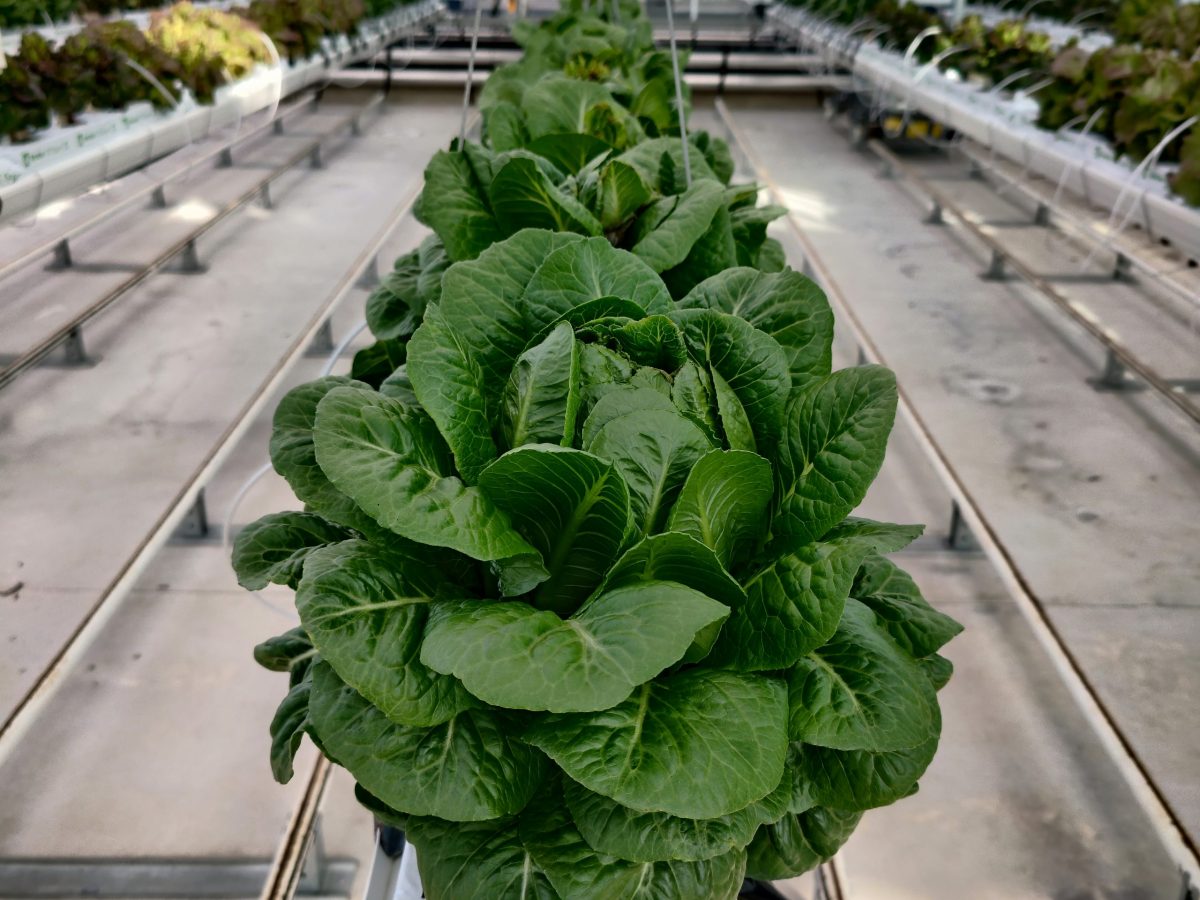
[581, 599]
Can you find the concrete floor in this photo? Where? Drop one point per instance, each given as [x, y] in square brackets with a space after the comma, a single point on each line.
[1094, 494]
[155, 746]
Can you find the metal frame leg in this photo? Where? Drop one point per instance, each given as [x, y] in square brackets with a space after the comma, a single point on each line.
[322, 343]
[74, 353]
[995, 269]
[1114, 374]
[195, 524]
[960, 537]
[369, 278]
[189, 259]
[312, 872]
[62, 255]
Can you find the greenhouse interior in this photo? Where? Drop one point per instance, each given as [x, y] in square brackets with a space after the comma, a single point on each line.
[344, 553]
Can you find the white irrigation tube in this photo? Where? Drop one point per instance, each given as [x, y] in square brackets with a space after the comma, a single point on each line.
[462, 130]
[687, 160]
[1150, 160]
[1120, 751]
[231, 512]
[1076, 165]
[916, 42]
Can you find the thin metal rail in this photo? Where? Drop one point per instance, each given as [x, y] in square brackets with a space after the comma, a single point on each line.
[1163, 817]
[1002, 256]
[288, 863]
[93, 622]
[156, 188]
[1047, 212]
[70, 329]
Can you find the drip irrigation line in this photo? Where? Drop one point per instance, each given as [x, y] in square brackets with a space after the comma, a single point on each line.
[683, 135]
[462, 129]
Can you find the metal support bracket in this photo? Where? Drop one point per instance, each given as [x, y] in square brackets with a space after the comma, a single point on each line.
[264, 197]
[1115, 376]
[1041, 215]
[369, 279]
[935, 216]
[73, 350]
[1122, 268]
[158, 199]
[195, 523]
[62, 255]
[995, 269]
[1188, 891]
[277, 126]
[225, 158]
[189, 259]
[314, 157]
[312, 872]
[322, 342]
[960, 537]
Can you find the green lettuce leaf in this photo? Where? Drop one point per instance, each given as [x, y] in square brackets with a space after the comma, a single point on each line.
[654, 450]
[571, 506]
[468, 769]
[786, 305]
[900, 609]
[541, 400]
[517, 657]
[273, 549]
[365, 608]
[698, 744]
[834, 439]
[723, 503]
[476, 861]
[665, 232]
[454, 204]
[577, 871]
[626, 833]
[799, 842]
[749, 371]
[860, 691]
[392, 461]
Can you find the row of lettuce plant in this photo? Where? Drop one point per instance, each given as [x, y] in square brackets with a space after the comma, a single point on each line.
[1137, 93]
[15, 14]
[184, 47]
[582, 607]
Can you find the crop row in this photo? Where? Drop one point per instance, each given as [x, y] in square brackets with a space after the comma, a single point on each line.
[107, 65]
[1132, 94]
[582, 607]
